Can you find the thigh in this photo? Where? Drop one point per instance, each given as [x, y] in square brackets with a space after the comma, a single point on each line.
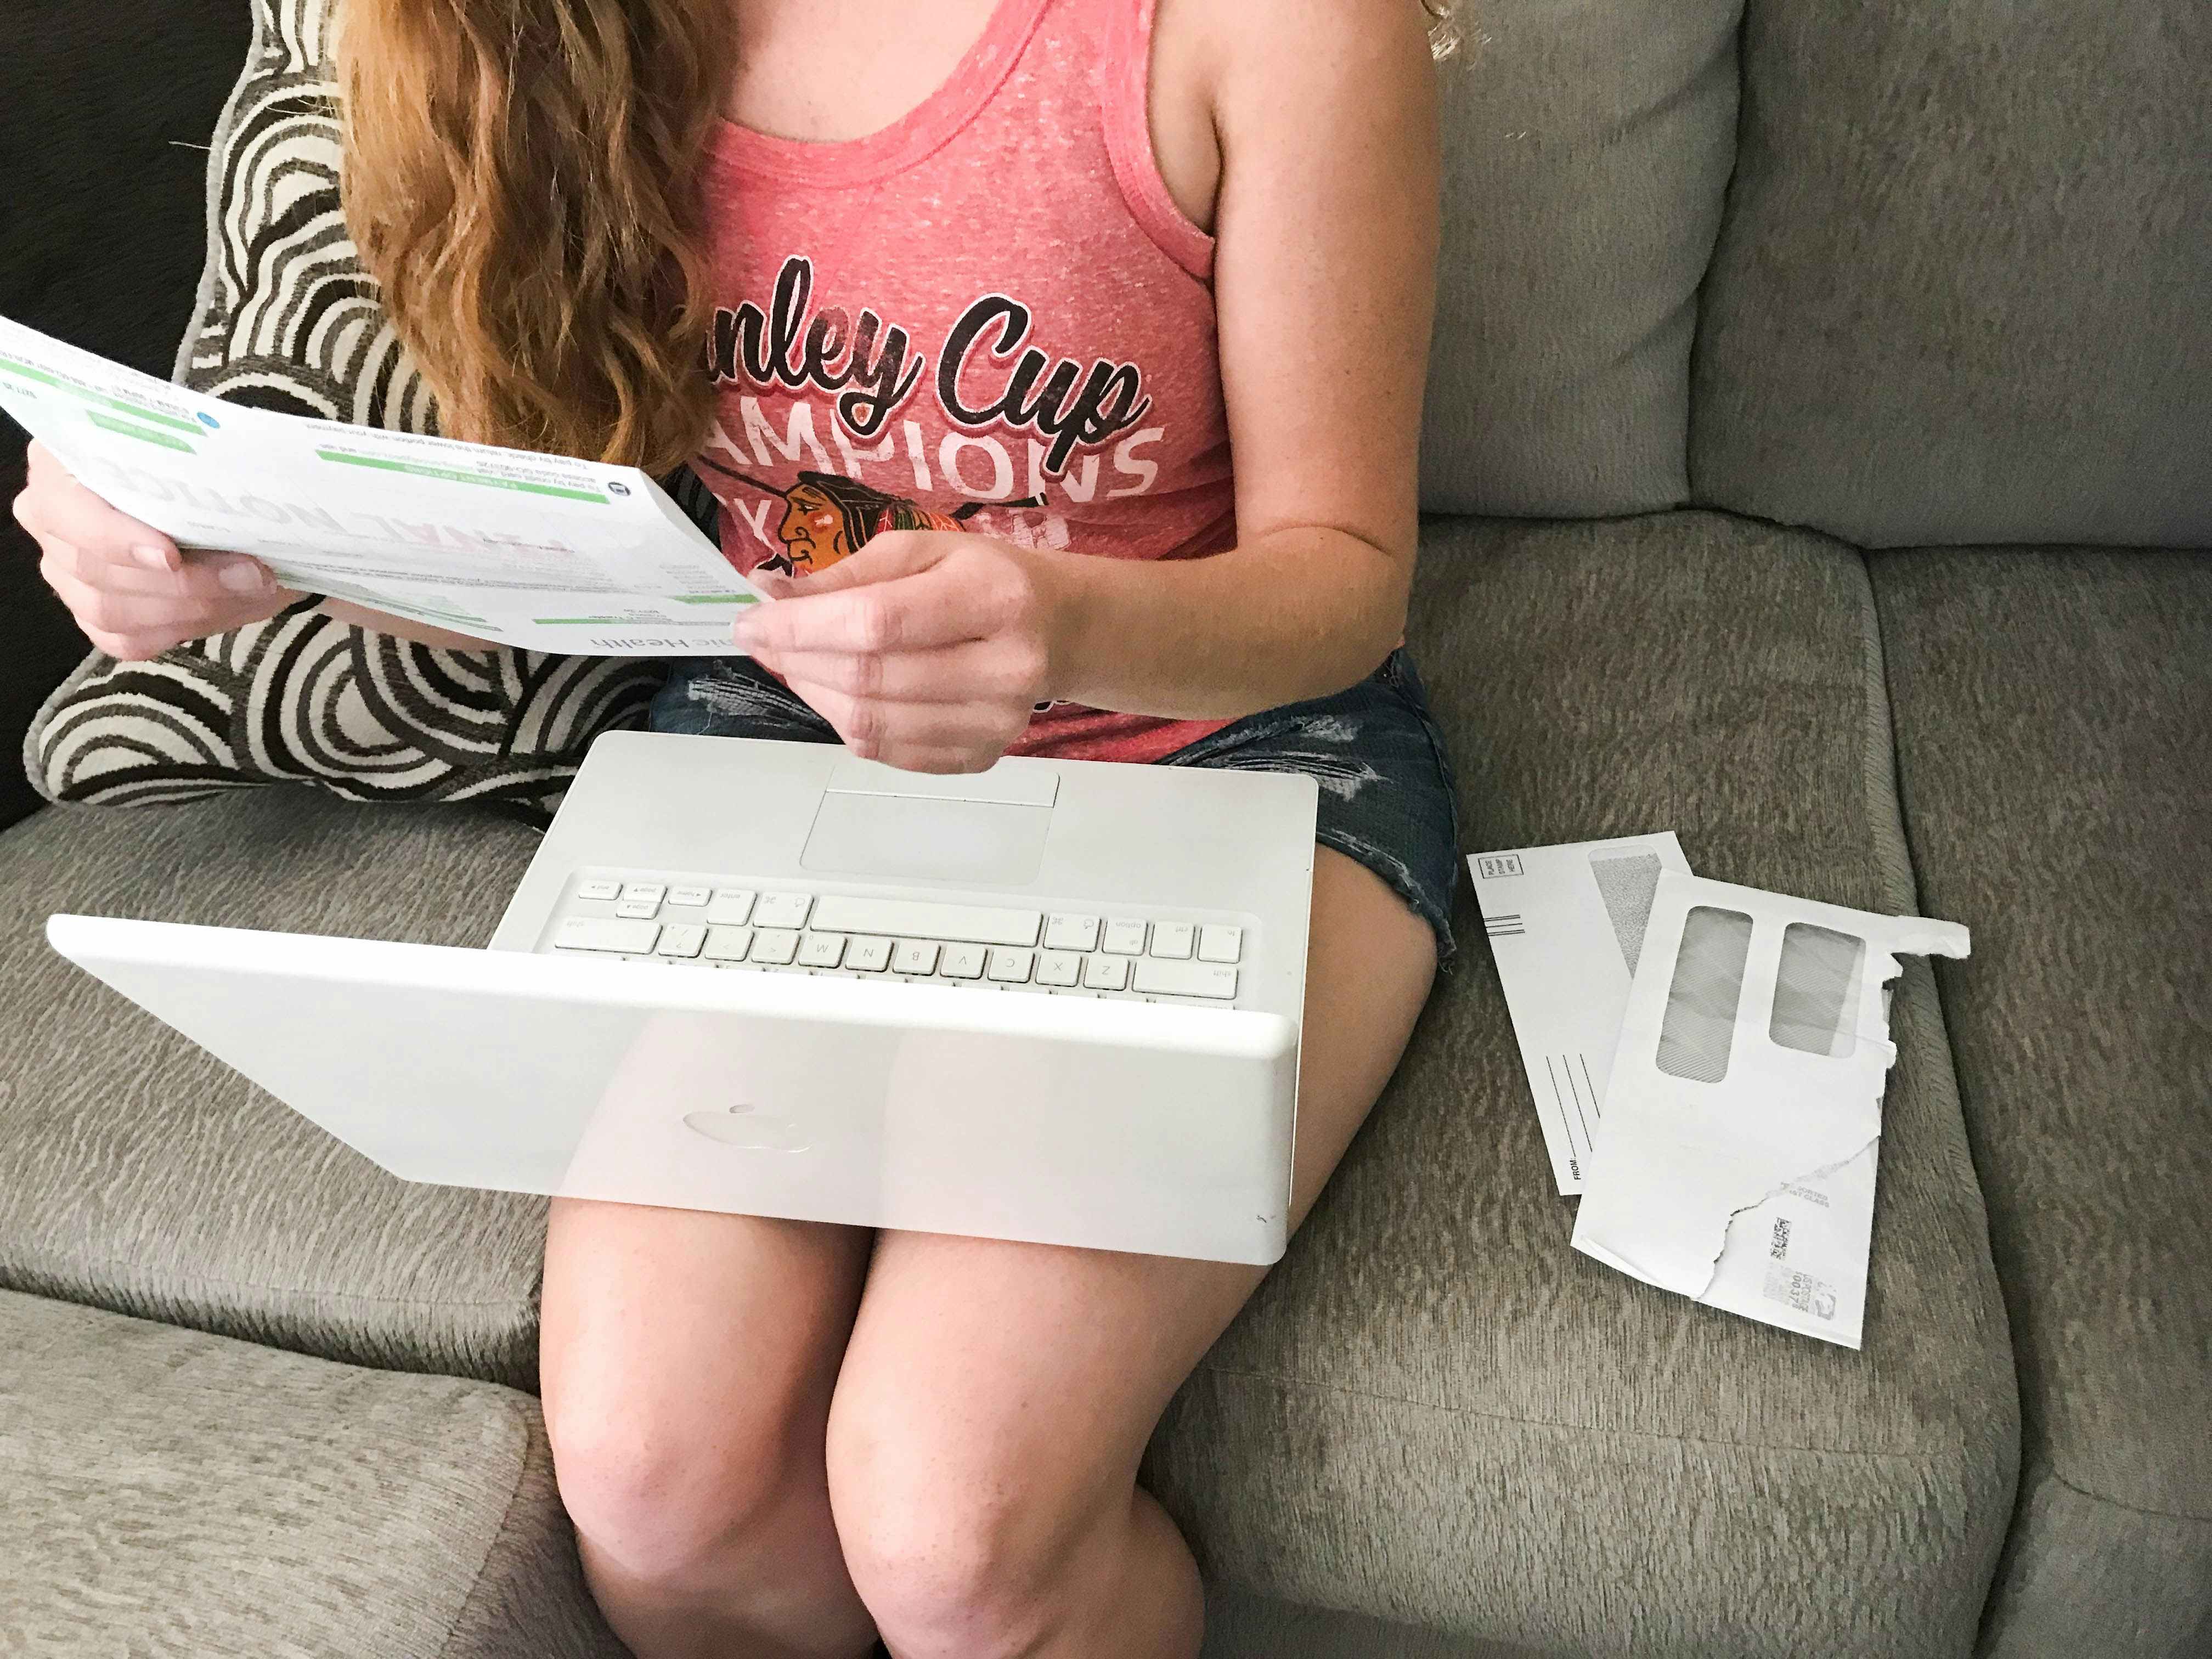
[1033, 1374]
[689, 1353]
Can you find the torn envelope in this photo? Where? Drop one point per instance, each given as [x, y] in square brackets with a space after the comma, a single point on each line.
[1743, 1118]
[1567, 926]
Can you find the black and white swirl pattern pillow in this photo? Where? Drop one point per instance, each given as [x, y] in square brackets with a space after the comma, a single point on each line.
[287, 319]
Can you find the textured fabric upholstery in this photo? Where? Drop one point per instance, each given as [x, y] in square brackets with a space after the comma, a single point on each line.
[166, 1492]
[140, 1174]
[2054, 718]
[1964, 289]
[1239, 1625]
[1587, 145]
[1434, 1411]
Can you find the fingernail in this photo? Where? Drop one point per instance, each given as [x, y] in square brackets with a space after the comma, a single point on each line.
[152, 558]
[245, 576]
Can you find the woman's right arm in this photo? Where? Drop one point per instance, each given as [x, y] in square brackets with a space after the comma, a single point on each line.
[135, 596]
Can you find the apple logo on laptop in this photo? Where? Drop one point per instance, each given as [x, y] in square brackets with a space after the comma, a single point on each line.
[740, 1124]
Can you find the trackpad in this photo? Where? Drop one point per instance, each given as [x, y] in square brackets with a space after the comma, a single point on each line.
[918, 836]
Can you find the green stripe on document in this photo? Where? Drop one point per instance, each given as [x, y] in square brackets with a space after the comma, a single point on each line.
[109, 423]
[716, 598]
[25, 371]
[418, 469]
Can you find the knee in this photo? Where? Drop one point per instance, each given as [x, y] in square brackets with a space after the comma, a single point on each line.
[669, 1498]
[955, 1556]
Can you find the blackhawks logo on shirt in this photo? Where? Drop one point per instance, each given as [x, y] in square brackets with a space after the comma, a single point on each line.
[827, 517]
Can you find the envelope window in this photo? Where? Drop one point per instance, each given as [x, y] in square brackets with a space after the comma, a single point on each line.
[1816, 990]
[1701, 1002]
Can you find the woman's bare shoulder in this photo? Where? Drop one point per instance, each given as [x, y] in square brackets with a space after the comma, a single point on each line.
[1227, 69]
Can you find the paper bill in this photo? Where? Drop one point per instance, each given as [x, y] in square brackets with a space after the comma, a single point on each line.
[1567, 926]
[533, 551]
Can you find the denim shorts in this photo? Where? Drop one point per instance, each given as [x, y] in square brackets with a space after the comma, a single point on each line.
[1386, 788]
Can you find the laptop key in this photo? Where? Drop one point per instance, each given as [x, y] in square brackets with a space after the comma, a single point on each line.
[605, 933]
[1217, 943]
[598, 890]
[728, 944]
[962, 962]
[681, 939]
[788, 910]
[1106, 973]
[730, 906]
[1011, 966]
[970, 923]
[644, 892]
[1068, 932]
[915, 955]
[1172, 938]
[868, 956]
[1058, 967]
[1125, 938]
[1186, 979]
[688, 896]
[821, 950]
[774, 946]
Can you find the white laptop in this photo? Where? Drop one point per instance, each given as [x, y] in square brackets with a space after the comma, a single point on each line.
[1056, 1001]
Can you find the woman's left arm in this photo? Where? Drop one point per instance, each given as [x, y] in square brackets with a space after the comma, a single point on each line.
[1324, 280]
[928, 648]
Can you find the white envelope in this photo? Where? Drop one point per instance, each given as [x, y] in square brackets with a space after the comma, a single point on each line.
[1743, 1127]
[1567, 924]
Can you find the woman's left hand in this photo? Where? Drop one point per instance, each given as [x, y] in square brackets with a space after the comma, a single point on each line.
[928, 649]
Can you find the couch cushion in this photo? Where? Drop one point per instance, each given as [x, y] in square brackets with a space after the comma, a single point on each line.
[1435, 1411]
[2054, 720]
[168, 1492]
[1587, 146]
[1964, 289]
[1241, 1626]
[138, 1173]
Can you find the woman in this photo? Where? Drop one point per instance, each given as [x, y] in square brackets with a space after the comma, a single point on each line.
[1041, 258]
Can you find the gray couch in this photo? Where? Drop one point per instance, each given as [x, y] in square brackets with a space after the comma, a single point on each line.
[1821, 420]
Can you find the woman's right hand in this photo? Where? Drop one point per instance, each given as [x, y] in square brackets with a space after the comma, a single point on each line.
[133, 595]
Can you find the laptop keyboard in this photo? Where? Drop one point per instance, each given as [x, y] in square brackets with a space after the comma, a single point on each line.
[1080, 952]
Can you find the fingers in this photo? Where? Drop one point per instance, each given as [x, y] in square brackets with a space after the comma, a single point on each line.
[134, 627]
[213, 578]
[895, 553]
[908, 590]
[972, 670]
[131, 591]
[143, 644]
[909, 613]
[192, 592]
[919, 737]
[54, 506]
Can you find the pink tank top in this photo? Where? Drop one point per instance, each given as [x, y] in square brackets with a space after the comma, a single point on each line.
[989, 315]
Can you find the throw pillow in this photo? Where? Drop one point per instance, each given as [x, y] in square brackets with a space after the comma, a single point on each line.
[287, 319]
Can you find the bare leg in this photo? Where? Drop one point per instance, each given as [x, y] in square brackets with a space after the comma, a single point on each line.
[995, 1397]
[687, 1361]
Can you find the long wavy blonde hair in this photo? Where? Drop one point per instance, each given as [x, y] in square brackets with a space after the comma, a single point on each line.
[521, 179]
